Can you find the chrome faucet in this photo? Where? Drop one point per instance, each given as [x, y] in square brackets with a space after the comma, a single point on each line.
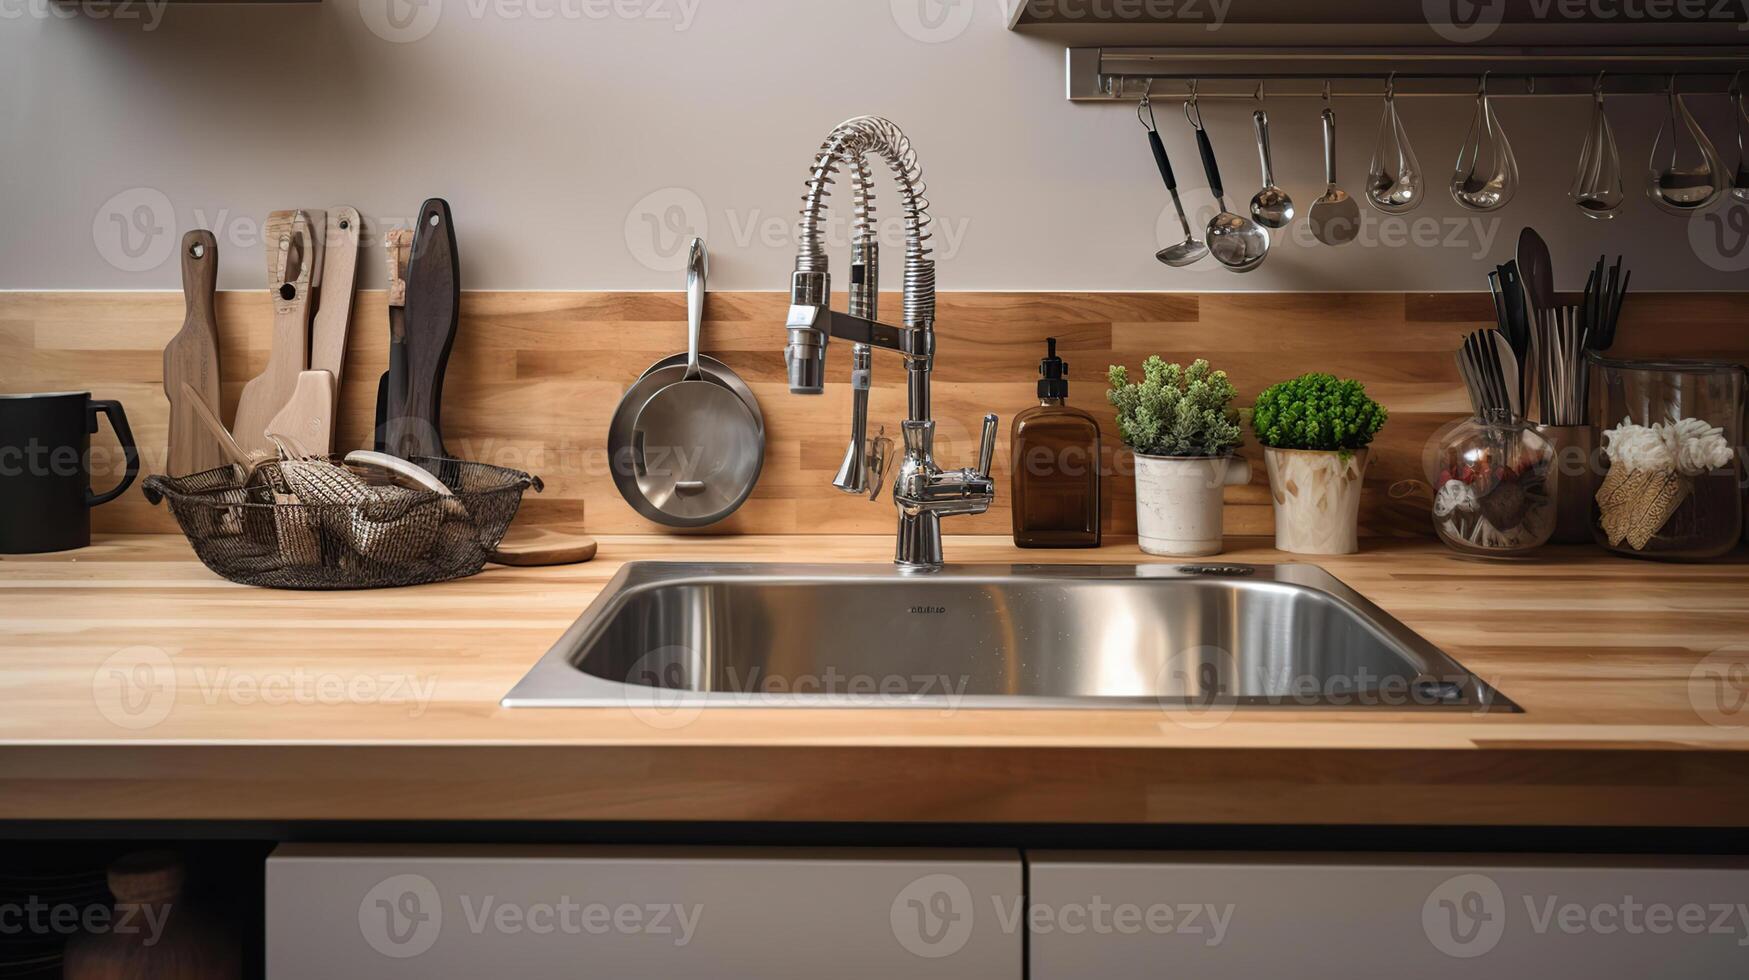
[922, 491]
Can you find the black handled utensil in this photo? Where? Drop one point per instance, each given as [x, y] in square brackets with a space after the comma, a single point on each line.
[433, 306]
[1191, 249]
[1236, 242]
[1537, 269]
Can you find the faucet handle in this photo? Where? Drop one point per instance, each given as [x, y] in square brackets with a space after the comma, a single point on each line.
[987, 448]
[880, 450]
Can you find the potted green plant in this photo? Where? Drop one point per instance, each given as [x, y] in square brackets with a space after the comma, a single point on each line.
[1180, 425]
[1315, 430]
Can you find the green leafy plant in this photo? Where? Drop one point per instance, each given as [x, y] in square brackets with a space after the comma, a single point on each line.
[1318, 412]
[1175, 411]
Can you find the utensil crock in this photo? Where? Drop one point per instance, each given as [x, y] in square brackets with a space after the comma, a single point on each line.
[1578, 463]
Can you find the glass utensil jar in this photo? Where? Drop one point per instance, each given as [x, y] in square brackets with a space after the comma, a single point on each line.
[1578, 461]
[1495, 487]
[1672, 435]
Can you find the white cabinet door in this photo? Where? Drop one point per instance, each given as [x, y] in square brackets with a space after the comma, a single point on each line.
[381, 913]
[1311, 917]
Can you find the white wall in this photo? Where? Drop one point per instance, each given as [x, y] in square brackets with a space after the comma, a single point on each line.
[566, 143]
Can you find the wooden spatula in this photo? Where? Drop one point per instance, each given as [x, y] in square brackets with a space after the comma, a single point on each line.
[192, 358]
[304, 428]
[245, 461]
[293, 261]
[433, 303]
[334, 298]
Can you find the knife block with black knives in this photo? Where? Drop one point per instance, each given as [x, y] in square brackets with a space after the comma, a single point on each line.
[433, 303]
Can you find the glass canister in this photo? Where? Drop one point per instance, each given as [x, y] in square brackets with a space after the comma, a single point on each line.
[1672, 433]
[1494, 487]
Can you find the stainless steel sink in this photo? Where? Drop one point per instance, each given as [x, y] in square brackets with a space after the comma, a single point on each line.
[668, 636]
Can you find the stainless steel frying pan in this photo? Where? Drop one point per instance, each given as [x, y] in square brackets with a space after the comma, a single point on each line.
[687, 442]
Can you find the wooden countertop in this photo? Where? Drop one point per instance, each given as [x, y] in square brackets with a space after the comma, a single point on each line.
[138, 685]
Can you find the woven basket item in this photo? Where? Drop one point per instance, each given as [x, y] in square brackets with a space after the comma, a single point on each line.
[343, 532]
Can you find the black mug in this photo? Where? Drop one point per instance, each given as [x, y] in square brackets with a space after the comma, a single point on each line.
[45, 469]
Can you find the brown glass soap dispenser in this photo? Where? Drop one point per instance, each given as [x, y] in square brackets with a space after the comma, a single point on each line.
[1056, 466]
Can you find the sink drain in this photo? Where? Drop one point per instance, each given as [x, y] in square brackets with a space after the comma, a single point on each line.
[1228, 571]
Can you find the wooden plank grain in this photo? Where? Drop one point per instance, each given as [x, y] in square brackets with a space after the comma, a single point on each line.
[1601, 652]
[535, 376]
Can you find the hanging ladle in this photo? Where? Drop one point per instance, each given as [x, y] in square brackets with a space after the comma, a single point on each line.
[1190, 250]
[1486, 176]
[1393, 182]
[1271, 207]
[1235, 241]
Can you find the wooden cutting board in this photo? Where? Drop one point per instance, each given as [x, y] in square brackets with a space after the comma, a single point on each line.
[433, 303]
[536, 545]
[192, 358]
[334, 299]
[294, 262]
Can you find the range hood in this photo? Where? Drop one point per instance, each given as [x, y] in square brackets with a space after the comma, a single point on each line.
[1414, 23]
[1120, 48]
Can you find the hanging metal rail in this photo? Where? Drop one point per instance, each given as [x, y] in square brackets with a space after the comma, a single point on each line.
[1166, 74]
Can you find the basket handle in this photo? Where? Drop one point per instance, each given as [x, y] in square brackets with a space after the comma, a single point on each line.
[155, 487]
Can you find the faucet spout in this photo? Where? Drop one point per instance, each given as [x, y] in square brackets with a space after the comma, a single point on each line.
[922, 492]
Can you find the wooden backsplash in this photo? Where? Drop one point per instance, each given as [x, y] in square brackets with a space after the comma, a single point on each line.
[535, 377]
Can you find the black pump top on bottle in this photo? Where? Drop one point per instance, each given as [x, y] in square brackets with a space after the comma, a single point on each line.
[1053, 373]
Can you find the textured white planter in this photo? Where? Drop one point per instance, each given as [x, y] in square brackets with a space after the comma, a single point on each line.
[1178, 502]
[1317, 500]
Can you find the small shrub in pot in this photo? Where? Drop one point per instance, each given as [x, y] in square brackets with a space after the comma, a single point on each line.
[1315, 430]
[1181, 426]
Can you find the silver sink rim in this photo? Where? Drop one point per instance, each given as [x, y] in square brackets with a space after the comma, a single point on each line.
[558, 681]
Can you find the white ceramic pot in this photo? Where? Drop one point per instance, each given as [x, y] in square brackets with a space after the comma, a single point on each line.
[1178, 502]
[1317, 500]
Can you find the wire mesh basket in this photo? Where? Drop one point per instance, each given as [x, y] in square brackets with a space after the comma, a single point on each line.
[298, 524]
